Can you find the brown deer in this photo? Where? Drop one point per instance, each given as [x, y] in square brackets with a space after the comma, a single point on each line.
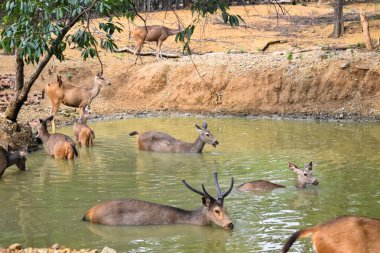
[84, 135]
[57, 145]
[345, 234]
[9, 158]
[161, 142]
[74, 96]
[157, 33]
[305, 177]
[138, 212]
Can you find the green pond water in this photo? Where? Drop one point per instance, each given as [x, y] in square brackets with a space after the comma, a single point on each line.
[44, 205]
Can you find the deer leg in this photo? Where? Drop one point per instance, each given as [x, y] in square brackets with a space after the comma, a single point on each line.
[53, 111]
[138, 50]
[159, 44]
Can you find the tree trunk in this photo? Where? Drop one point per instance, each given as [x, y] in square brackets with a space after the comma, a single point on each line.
[320, 2]
[365, 25]
[338, 19]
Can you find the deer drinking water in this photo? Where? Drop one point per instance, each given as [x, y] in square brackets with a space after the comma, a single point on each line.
[138, 212]
[9, 158]
[74, 96]
[345, 234]
[305, 177]
[57, 145]
[84, 135]
[157, 33]
[161, 142]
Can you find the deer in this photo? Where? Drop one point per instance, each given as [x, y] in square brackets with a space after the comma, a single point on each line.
[344, 234]
[57, 145]
[305, 177]
[157, 33]
[74, 96]
[9, 158]
[84, 135]
[161, 142]
[139, 212]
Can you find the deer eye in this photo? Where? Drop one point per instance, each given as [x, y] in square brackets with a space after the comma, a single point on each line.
[217, 211]
[305, 175]
[207, 134]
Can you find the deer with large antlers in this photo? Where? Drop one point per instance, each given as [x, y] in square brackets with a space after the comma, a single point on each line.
[304, 177]
[57, 145]
[161, 142]
[9, 158]
[157, 33]
[138, 212]
[74, 96]
[345, 234]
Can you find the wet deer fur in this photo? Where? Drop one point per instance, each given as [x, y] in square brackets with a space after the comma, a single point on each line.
[138, 212]
[57, 145]
[304, 177]
[157, 33]
[9, 158]
[161, 142]
[74, 96]
[84, 135]
[345, 234]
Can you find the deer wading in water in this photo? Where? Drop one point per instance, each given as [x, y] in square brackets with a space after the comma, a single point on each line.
[74, 96]
[345, 234]
[57, 145]
[161, 142]
[83, 133]
[9, 158]
[304, 177]
[138, 212]
[157, 33]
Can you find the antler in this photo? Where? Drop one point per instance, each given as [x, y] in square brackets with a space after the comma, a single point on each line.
[204, 193]
[221, 195]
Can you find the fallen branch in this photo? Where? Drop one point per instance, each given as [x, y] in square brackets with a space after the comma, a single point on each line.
[271, 43]
[132, 51]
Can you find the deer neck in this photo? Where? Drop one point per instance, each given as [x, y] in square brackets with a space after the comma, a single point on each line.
[43, 134]
[195, 217]
[198, 145]
[12, 158]
[173, 31]
[300, 184]
[95, 89]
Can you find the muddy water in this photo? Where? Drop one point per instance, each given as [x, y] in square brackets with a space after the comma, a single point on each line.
[44, 205]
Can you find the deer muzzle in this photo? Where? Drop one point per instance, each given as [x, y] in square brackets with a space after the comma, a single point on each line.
[229, 226]
[315, 182]
[215, 143]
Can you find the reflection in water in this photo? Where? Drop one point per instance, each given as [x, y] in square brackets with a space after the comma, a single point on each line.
[44, 205]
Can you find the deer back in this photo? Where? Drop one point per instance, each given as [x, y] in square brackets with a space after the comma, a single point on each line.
[259, 185]
[349, 234]
[61, 146]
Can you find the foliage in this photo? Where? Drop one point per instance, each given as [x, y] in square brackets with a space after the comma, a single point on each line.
[202, 8]
[36, 27]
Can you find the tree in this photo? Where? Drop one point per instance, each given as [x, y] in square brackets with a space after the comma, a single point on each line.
[338, 18]
[39, 30]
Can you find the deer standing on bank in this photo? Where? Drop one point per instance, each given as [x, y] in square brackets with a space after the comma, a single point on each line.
[74, 96]
[84, 135]
[345, 234]
[304, 177]
[138, 212]
[9, 158]
[157, 33]
[57, 145]
[161, 142]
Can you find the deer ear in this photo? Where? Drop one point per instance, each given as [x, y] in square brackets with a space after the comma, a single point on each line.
[198, 127]
[292, 166]
[310, 166]
[206, 202]
[204, 125]
[50, 118]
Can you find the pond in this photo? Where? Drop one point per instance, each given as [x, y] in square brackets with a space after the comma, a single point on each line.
[45, 204]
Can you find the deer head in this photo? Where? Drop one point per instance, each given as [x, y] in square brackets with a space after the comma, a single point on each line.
[305, 176]
[216, 212]
[99, 78]
[206, 135]
[40, 124]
